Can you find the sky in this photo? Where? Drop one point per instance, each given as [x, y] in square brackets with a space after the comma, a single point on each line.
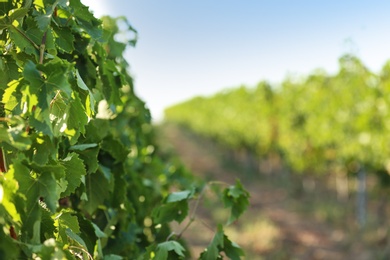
[188, 48]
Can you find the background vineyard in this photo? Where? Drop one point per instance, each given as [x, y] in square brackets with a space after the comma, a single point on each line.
[323, 138]
[315, 124]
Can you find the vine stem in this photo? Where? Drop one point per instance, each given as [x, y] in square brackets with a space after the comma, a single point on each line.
[42, 48]
[192, 215]
[3, 162]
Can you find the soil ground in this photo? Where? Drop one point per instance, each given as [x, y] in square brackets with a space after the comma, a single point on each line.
[282, 221]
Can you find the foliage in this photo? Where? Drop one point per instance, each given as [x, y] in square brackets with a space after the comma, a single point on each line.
[316, 124]
[80, 177]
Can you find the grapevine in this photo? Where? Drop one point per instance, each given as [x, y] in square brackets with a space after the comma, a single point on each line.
[79, 169]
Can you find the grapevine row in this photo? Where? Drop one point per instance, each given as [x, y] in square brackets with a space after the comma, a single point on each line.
[316, 123]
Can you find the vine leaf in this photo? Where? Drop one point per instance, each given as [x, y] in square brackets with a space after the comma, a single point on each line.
[47, 224]
[164, 248]
[174, 207]
[178, 196]
[64, 38]
[115, 148]
[236, 198]
[8, 70]
[85, 19]
[82, 147]
[57, 73]
[97, 189]
[221, 243]
[15, 136]
[16, 14]
[22, 41]
[65, 221]
[4, 22]
[77, 115]
[42, 149]
[90, 101]
[216, 245]
[75, 171]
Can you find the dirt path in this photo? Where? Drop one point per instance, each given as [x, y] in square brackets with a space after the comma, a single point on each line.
[270, 229]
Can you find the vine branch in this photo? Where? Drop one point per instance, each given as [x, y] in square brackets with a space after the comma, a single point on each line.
[194, 210]
[42, 48]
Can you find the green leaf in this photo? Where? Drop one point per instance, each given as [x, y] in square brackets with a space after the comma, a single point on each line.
[30, 210]
[76, 238]
[59, 113]
[21, 40]
[43, 149]
[44, 19]
[112, 87]
[57, 73]
[121, 187]
[64, 38]
[221, 243]
[10, 194]
[97, 191]
[82, 147]
[15, 136]
[9, 70]
[231, 249]
[215, 247]
[164, 248]
[18, 13]
[66, 221]
[46, 183]
[11, 97]
[87, 233]
[85, 19]
[77, 114]
[90, 158]
[47, 225]
[32, 75]
[91, 100]
[175, 207]
[97, 130]
[171, 211]
[115, 148]
[178, 196]
[79, 9]
[4, 22]
[37, 85]
[75, 170]
[98, 232]
[73, 227]
[236, 198]
[41, 122]
[53, 167]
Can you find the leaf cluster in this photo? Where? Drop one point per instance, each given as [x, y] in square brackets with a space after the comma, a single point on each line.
[79, 173]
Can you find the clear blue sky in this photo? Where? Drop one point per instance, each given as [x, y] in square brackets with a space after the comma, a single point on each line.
[199, 47]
